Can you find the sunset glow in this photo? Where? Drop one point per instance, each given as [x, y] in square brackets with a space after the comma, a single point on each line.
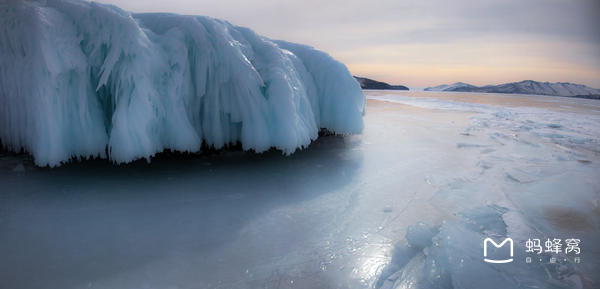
[427, 43]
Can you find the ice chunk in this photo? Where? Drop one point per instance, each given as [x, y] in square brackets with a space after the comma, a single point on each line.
[80, 79]
[451, 257]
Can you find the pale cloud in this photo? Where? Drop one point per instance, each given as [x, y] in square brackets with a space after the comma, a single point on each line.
[420, 43]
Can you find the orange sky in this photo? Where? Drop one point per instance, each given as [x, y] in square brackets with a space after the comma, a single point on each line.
[421, 65]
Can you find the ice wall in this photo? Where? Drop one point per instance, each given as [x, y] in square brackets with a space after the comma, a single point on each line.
[81, 79]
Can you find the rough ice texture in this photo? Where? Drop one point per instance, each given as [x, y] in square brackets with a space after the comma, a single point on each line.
[450, 256]
[81, 79]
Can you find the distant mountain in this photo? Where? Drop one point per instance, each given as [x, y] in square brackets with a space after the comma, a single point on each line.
[526, 87]
[450, 87]
[366, 83]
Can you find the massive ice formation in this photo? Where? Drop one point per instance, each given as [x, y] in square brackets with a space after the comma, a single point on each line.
[81, 79]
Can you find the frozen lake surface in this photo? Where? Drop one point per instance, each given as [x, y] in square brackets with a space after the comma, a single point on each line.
[407, 204]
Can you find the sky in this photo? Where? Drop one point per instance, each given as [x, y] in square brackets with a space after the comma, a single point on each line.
[427, 42]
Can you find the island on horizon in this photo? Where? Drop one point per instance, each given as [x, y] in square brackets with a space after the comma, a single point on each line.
[367, 83]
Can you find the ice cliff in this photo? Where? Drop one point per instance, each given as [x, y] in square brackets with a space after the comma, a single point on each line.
[80, 79]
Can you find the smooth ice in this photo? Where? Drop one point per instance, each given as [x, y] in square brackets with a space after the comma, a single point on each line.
[404, 205]
[82, 80]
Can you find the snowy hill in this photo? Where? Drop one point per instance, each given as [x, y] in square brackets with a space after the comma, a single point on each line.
[367, 83]
[526, 87]
[544, 88]
[450, 87]
[81, 79]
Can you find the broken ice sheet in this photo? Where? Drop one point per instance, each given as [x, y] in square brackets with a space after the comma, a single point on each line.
[450, 256]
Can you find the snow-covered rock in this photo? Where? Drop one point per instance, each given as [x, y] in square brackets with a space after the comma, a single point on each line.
[80, 79]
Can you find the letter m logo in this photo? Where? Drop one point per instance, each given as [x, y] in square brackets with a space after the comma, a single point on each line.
[490, 241]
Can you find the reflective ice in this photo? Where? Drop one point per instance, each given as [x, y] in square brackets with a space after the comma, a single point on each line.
[406, 204]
